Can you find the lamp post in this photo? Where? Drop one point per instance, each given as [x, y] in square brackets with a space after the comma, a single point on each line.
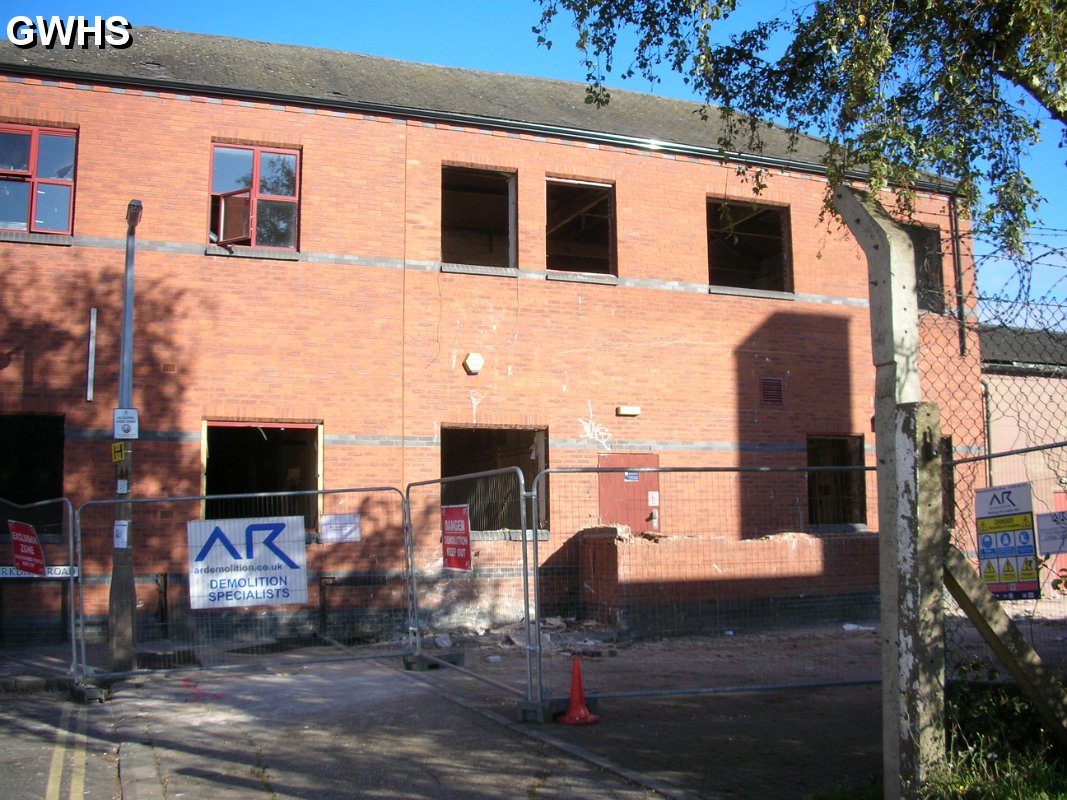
[122, 655]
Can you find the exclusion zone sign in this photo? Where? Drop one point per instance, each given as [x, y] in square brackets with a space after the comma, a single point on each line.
[26, 551]
[247, 562]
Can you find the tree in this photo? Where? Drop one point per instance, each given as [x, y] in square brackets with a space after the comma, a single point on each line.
[899, 89]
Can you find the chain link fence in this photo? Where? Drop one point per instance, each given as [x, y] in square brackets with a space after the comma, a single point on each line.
[999, 376]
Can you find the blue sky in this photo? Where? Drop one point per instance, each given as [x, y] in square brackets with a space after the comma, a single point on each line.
[484, 35]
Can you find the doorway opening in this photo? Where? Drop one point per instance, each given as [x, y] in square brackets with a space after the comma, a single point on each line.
[262, 458]
[494, 501]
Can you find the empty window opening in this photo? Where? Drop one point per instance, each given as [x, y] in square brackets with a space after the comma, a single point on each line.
[477, 217]
[837, 493]
[31, 470]
[580, 227]
[493, 501]
[929, 279]
[748, 246]
[263, 458]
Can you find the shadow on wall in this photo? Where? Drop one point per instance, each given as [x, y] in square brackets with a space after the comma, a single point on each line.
[795, 408]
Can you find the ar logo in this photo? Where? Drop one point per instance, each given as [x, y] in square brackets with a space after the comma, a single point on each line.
[272, 529]
[1002, 499]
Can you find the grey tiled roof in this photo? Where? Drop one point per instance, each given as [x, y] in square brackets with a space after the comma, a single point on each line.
[227, 66]
[1022, 347]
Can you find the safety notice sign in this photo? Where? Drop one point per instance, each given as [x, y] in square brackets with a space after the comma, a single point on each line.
[26, 551]
[1007, 544]
[456, 537]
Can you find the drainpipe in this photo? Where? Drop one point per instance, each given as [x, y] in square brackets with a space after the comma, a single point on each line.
[957, 271]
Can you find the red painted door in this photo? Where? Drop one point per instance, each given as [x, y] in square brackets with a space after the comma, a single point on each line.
[630, 497]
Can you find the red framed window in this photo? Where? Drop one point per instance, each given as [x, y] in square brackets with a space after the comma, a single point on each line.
[254, 196]
[37, 178]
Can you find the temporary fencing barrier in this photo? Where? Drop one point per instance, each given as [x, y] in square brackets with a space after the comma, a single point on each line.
[763, 576]
[296, 569]
[38, 576]
[472, 568]
[669, 580]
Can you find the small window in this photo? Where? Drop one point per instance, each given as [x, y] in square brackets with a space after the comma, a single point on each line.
[493, 501]
[254, 196]
[929, 279]
[748, 246]
[837, 484]
[244, 458]
[36, 179]
[477, 217]
[31, 470]
[580, 231]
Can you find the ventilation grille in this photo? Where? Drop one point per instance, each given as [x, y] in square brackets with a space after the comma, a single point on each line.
[771, 391]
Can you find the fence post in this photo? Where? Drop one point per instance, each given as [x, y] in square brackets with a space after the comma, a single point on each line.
[911, 550]
[912, 557]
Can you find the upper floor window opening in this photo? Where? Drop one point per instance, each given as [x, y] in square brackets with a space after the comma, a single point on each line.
[255, 196]
[37, 179]
[580, 230]
[478, 217]
[929, 277]
[748, 246]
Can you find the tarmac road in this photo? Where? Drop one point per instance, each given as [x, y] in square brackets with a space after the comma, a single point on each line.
[326, 730]
[301, 727]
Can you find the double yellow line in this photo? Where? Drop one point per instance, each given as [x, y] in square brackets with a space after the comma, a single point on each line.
[73, 741]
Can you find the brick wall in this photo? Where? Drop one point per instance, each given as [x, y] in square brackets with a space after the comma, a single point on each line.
[366, 334]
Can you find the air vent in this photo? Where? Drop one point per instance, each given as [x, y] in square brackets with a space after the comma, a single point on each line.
[771, 391]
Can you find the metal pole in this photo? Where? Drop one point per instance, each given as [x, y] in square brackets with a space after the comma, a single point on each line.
[133, 216]
[122, 654]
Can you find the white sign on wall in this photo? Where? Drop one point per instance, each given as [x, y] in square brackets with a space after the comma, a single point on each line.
[247, 562]
[1052, 531]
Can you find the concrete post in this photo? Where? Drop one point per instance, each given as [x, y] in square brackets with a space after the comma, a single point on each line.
[911, 544]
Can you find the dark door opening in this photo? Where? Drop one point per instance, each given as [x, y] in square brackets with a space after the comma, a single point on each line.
[31, 469]
[493, 501]
[258, 459]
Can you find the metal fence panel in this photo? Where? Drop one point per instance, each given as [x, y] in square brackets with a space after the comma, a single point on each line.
[353, 553]
[737, 559]
[38, 608]
[471, 568]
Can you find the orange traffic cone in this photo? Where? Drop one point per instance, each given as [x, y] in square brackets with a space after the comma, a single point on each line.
[577, 713]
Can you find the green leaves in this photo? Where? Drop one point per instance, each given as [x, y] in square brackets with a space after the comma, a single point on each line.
[901, 91]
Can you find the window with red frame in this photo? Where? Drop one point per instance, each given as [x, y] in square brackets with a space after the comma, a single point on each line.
[254, 196]
[36, 179]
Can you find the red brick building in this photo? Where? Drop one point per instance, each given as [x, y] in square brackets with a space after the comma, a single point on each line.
[354, 272]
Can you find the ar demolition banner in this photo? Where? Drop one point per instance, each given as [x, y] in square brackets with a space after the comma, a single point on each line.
[247, 562]
[456, 537]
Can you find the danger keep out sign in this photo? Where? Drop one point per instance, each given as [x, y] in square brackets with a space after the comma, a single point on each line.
[456, 537]
[247, 562]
